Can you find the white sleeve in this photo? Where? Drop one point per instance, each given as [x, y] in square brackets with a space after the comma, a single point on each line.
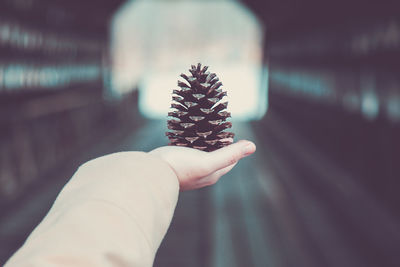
[114, 211]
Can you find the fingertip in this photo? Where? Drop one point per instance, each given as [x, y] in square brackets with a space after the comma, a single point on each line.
[231, 154]
[248, 148]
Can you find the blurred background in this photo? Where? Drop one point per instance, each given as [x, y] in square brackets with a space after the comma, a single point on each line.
[315, 84]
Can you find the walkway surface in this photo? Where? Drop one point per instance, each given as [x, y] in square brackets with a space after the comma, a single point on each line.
[286, 205]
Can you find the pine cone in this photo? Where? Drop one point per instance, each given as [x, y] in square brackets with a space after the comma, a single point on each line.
[199, 116]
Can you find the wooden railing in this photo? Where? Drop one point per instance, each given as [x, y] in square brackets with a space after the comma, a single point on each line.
[39, 133]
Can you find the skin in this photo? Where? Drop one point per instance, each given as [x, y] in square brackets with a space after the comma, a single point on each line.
[196, 169]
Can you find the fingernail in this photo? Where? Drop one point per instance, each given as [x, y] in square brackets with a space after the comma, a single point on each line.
[248, 149]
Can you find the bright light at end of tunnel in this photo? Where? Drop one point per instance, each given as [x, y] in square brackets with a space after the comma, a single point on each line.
[243, 85]
[155, 41]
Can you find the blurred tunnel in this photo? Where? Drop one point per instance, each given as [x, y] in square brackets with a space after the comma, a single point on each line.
[315, 84]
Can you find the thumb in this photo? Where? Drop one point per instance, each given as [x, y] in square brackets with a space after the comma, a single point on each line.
[229, 155]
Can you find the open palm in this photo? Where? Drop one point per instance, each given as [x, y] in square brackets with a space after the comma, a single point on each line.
[197, 169]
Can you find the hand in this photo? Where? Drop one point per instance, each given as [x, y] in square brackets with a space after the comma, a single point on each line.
[197, 169]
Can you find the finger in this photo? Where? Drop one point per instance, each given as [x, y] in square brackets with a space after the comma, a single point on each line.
[224, 171]
[214, 177]
[229, 155]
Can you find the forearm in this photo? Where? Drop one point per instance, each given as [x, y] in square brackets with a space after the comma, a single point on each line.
[115, 209]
